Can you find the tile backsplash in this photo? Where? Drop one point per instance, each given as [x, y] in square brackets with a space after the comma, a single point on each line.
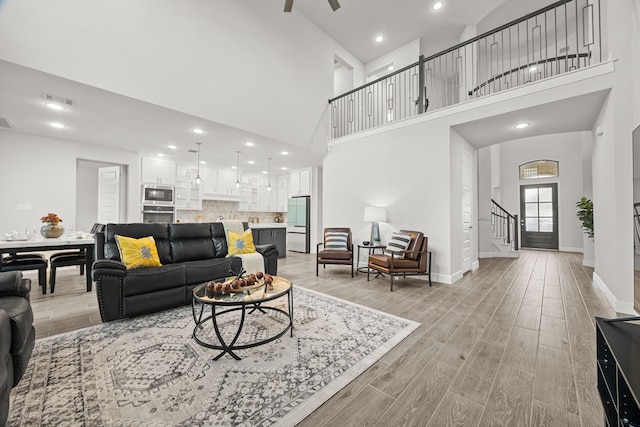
[213, 209]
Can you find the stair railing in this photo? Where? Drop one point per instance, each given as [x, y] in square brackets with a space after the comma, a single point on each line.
[504, 225]
[557, 39]
[636, 227]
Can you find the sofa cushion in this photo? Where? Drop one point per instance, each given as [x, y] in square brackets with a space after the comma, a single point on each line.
[219, 239]
[240, 243]
[137, 253]
[21, 316]
[143, 280]
[159, 232]
[210, 269]
[190, 242]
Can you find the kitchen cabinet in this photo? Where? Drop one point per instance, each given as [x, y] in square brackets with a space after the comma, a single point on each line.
[276, 236]
[300, 182]
[158, 171]
[188, 196]
[283, 193]
[219, 184]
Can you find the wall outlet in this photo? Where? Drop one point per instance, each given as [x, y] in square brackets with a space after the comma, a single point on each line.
[24, 206]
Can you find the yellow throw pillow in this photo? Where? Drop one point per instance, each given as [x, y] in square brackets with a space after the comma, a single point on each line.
[240, 243]
[136, 253]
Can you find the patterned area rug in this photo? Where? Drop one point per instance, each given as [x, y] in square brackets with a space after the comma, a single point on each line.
[149, 371]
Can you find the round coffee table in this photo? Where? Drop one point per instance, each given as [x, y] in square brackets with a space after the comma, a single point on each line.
[247, 302]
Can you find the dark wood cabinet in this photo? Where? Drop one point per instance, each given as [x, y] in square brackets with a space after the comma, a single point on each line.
[618, 358]
[277, 236]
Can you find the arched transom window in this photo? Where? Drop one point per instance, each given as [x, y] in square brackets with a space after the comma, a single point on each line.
[539, 169]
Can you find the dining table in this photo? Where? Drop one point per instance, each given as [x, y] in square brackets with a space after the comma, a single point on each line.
[10, 246]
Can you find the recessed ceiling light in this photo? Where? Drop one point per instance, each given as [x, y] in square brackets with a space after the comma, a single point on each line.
[264, 172]
[198, 131]
[54, 106]
[249, 144]
[57, 125]
[160, 154]
[202, 162]
[379, 39]
[522, 125]
[251, 162]
[390, 68]
[532, 69]
[437, 5]
[285, 153]
[234, 167]
[171, 147]
[284, 168]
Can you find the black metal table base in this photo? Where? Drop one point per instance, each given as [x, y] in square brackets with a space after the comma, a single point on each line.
[231, 347]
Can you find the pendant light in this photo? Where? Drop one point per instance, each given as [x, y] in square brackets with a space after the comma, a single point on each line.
[198, 179]
[237, 169]
[269, 188]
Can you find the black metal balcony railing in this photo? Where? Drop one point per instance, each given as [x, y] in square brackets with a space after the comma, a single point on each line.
[559, 38]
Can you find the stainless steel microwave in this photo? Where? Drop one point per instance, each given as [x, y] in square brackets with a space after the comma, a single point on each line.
[158, 195]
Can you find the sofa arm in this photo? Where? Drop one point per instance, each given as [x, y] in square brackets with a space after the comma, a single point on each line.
[270, 254]
[109, 278]
[12, 284]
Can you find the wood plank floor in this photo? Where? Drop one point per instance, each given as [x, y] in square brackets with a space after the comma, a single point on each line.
[510, 344]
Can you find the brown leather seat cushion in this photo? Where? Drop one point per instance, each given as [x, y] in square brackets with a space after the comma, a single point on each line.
[332, 255]
[385, 261]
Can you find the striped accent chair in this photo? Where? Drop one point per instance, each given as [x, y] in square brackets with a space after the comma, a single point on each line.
[337, 248]
[414, 259]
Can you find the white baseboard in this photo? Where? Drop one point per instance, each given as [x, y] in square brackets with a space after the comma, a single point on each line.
[625, 307]
[588, 263]
[499, 254]
[569, 249]
[475, 265]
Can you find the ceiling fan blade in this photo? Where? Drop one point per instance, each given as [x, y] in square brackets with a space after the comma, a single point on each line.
[334, 4]
[288, 4]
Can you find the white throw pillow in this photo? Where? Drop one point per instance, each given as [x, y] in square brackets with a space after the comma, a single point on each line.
[335, 241]
[399, 242]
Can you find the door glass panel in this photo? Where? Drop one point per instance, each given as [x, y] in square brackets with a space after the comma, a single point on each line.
[531, 209]
[546, 209]
[531, 195]
[546, 194]
[546, 225]
[531, 224]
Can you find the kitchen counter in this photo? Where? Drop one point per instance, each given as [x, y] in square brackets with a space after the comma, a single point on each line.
[267, 225]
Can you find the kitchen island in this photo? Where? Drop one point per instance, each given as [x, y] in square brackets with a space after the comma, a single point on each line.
[270, 232]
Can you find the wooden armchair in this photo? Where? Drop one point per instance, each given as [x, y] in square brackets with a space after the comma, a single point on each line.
[338, 248]
[416, 261]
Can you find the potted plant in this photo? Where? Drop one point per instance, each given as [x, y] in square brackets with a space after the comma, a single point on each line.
[585, 215]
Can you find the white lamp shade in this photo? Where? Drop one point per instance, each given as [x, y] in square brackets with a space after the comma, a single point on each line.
[375, 214]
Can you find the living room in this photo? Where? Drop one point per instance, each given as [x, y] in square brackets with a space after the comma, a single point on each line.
[291, 108]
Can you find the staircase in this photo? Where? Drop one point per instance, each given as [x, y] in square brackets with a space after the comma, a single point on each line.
[504, 232]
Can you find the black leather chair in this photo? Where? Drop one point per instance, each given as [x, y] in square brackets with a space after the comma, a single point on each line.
[27, 262]
[17, 334]
[65, 259]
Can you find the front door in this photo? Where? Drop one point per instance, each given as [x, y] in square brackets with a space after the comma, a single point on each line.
[539, 216]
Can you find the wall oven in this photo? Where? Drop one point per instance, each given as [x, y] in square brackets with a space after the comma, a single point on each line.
[158, 195]
[155, 213]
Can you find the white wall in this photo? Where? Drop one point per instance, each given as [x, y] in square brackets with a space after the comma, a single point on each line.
[405, 170]
[612, 164]
[42, 172]
[563, 148]
[179, 55]
[399, 58]
[342, 80]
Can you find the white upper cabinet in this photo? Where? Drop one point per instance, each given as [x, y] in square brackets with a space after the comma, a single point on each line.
[300, 184]
[283, 193]
[220, 184]
[158, 171]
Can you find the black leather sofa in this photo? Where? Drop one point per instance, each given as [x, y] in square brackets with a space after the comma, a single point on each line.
[17, 334]
[190, 254]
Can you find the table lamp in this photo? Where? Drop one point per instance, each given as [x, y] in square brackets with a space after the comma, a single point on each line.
[374, 215]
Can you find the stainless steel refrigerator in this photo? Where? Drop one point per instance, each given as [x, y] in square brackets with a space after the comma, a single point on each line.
[298, 221]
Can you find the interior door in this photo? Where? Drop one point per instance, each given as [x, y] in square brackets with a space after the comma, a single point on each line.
[539, 216]
[109, 195]
[467, 217]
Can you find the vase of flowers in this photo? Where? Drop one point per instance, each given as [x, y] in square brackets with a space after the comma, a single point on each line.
[51, 228]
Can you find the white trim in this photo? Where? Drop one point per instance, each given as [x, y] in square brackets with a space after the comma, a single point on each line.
[589, 263]
[625, 307]
[475, 265]
[499, 254]
[569, 249]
